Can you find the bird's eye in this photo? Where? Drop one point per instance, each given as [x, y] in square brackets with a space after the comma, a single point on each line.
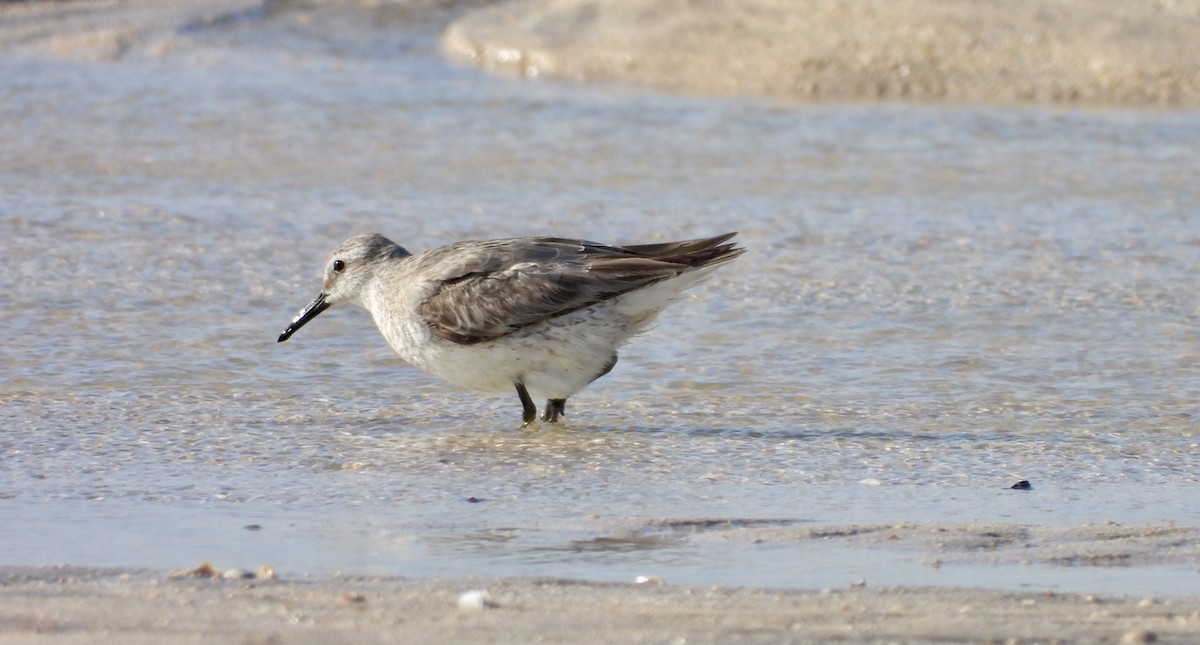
[338, 265]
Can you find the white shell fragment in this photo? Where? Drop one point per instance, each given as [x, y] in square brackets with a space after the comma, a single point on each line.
[475, 600]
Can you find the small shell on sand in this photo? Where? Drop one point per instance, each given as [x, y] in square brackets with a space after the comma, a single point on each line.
[476, 599]
[205, 570]
[209, 570]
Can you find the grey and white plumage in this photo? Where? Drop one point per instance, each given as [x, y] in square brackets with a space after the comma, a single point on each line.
[542, 315]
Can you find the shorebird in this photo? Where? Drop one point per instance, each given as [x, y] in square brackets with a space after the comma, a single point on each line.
[541, 315]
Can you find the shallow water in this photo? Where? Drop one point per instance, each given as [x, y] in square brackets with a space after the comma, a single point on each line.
[937, 302]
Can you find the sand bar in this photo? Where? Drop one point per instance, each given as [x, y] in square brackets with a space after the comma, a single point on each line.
[1086, 52]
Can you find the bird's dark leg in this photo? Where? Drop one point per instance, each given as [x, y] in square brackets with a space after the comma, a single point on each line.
[528, 409]
[555, 408]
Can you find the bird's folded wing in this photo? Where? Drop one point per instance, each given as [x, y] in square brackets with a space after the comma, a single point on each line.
[499, 287]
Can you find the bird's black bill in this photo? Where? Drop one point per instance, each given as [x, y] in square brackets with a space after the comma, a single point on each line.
[308, 313]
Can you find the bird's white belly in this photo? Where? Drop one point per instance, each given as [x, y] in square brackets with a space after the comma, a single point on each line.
[554, 359]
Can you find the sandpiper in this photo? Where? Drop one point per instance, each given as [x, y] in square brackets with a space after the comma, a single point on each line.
[542, 315]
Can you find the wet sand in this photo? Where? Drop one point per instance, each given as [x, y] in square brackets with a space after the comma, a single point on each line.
[1027, 51]
[72, 605]
[206, 604]
[105, 30]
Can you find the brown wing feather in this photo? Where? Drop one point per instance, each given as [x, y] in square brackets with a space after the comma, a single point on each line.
[491, 289]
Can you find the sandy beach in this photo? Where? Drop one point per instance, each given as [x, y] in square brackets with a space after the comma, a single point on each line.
[1111, 52]
[207, 604]
[1102, 53]
[70, 605]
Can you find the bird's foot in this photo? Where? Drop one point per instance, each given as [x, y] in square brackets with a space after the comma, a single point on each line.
[555, 408]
